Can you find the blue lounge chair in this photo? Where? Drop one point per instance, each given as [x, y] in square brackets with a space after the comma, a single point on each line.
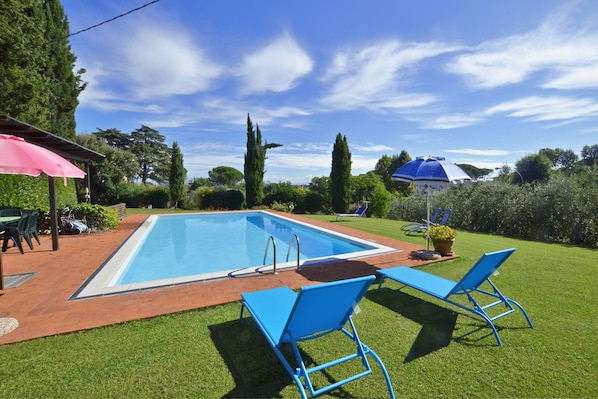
[358, 213]
[443, 288]
[433, 220]
[423, 227]
[287, 317]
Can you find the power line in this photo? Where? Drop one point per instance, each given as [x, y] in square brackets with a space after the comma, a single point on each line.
[117, 17]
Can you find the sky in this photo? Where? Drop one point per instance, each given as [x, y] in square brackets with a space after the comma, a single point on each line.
[477, 82]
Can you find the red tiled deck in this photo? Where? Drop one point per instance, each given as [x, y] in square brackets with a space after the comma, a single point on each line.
[42, 308]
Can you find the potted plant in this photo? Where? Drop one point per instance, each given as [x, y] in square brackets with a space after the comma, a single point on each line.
[443, 238]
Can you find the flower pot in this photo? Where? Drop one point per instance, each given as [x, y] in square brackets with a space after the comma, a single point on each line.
[444, 247]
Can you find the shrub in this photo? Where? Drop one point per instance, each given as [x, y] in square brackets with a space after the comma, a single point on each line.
[442, 233]
[98, 217]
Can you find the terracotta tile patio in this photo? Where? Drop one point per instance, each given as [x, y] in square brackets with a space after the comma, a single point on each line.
[42, 306]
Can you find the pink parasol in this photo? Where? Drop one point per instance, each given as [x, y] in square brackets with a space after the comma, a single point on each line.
[18, 157]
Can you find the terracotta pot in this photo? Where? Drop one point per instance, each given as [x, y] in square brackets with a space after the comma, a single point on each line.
[444, 247]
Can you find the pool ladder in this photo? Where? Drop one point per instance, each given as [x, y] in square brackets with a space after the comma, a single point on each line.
[271, 239]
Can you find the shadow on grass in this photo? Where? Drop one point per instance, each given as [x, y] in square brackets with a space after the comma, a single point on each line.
[337, 270]
[252, 363]
[437, 323]
[255, 368]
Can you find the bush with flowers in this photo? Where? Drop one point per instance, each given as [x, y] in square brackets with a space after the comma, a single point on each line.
[442, 233]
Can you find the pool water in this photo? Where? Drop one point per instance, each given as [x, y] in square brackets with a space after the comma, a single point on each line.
[173, 249]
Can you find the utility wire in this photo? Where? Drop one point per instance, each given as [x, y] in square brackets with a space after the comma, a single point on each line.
[117, 17]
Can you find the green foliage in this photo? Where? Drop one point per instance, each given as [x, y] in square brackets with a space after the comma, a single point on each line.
[177, 175]
[225, 176]
[320, 200]
[65, 86]
[534, 168]
[562, 210]
[473, 171]
[139, 196]
[589, 155]
[287, 207]
[118, 166]
[156, 196]
[340, 175]
[278, 192]
[216, 198]
[254, 167]
[154, 156]
[442, 233]
[27, 192]
[36, 66]
[97, 217]
[380, 201]
[25, 84]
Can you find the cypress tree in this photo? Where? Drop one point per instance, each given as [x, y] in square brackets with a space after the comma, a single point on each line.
[177, 175]
[65, 86]
[254, 168]
[340, 176]
[25, 92]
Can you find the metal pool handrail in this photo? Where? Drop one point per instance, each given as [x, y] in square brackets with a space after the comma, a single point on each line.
[294, 236]
[266, 253]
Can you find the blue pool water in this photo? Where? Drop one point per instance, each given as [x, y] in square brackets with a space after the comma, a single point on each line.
[173, 249]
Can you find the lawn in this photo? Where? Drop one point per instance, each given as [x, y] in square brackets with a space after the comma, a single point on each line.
[430, 349]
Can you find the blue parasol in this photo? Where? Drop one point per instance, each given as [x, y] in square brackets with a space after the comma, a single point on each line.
[431, 173]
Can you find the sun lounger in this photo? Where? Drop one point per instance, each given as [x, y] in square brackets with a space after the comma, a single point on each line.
[423, 227]
[469, 286]
[287, 317]
[424, 222]
[358, 213]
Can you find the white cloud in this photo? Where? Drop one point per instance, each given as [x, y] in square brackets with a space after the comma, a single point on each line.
[472, 151]
[372, 77]
[448, 121]
[277, 67]
[565, 51]
[547, 108]
[370, 147]
[160, 61]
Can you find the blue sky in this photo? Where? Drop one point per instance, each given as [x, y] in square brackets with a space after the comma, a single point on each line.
[484, 83]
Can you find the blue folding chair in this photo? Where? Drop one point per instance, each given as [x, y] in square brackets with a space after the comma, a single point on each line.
[423, 227]
[357, 214]
[443, 288]
[424, 222]
[287, 317]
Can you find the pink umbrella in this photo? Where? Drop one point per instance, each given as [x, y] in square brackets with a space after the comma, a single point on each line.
[18, 157]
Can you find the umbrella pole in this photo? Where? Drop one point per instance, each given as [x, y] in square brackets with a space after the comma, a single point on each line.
[428, 218]
[53, 213]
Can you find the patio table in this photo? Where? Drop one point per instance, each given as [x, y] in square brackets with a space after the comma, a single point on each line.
[8, 219]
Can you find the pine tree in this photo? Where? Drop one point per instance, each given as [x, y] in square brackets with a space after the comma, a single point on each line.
[153, 155]
[177, 175]
[340, 176]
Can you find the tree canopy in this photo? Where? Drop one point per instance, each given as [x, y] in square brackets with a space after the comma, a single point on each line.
[225, 176]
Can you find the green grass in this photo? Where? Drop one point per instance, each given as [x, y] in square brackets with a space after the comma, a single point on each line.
[429, 348]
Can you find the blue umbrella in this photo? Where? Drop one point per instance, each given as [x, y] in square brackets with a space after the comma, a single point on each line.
[431, 173]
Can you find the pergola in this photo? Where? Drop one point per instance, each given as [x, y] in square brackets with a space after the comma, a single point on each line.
[63, 147]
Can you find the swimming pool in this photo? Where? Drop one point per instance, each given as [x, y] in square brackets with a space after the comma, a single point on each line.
[181, 248]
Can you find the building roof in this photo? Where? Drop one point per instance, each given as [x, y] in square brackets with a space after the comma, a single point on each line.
[52, 142]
